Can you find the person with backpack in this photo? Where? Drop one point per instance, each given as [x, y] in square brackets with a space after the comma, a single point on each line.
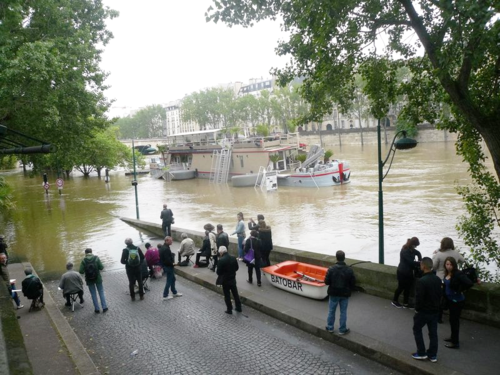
[91, 267]
[132, 257]
[340, 280]
[167, 217]
[455, 283]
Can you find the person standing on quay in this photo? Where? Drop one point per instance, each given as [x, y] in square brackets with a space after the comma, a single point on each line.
[253, 242]
[92, 266]
[455, 283]
[340, 280]
[252, 225]
[167, 217]
[427, 300]
[266, 238]
[446, 249]
[132, 257]
[406, 268]
[226, 270]
[167, 262]
[240, 232]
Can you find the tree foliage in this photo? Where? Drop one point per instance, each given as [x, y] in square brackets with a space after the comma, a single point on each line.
[50, 79]
[103, 150]
[148, 122]
[6, 202]
[218, 107]
[331, 42]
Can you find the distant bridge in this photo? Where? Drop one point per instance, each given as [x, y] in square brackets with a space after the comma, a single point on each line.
[143, 142]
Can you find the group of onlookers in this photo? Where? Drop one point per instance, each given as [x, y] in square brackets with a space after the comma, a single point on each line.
[440, 285]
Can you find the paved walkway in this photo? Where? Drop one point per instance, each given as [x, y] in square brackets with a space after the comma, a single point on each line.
[378, 329]
[193, 334]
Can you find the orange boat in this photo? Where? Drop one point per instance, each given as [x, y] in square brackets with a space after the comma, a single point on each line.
[299, 278]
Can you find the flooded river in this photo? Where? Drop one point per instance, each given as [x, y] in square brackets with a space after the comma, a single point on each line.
[419, 200]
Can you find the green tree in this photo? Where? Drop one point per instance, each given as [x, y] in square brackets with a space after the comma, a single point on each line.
[50, 79]
[6, 202]
[203, 108]
[333, 41]
[262, 130]
[103, 150]
[145, 123]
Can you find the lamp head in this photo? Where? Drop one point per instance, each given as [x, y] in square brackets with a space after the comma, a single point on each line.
[405, 143]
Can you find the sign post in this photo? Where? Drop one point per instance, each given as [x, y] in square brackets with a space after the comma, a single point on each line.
[60, 184]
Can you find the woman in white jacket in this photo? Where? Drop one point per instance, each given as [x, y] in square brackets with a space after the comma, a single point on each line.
[447, 249]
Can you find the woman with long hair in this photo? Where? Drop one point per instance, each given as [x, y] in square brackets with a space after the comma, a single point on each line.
[406, 268]
[455, 282]
[253, 242]
[240, 232]
[446, 249]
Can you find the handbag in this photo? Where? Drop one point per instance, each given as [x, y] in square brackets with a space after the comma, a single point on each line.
[249, 257]
[219, 280]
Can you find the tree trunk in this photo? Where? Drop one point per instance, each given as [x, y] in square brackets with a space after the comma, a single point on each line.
[98, 172]
[67, 171]
[491, 136]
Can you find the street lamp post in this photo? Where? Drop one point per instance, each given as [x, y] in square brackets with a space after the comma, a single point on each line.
[401, 144]
[134, 182]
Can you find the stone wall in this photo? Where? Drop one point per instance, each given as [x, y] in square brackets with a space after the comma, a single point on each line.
[482, 302]
[426, 134]
[12, 348]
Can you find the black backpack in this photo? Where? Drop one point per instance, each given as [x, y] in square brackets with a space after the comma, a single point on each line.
[471, 274]
[91, 269]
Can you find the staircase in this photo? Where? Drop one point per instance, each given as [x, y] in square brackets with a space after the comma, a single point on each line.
[221, 162]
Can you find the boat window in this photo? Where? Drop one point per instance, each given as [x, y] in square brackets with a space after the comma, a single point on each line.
[241, 161]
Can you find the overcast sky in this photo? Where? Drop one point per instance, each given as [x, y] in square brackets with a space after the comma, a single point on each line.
[164, 49]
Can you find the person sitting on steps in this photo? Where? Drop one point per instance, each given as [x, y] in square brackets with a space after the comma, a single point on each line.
[186, 249]
[205, 251]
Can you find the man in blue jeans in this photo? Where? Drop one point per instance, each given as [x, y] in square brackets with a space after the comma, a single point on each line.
[427, 300]
[92, 266]
[167, 262]
[340, 280]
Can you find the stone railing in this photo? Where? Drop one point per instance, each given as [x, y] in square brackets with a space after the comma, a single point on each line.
[13, 356]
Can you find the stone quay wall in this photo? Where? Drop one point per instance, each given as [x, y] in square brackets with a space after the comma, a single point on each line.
[482, 301]
[426, 134]
[13, 355]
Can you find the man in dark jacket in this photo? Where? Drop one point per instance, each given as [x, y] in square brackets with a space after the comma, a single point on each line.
[71, 283]
[340, 280]
[226, 270]
[255, 226]
[221, 239]
[32, 287]
[132, 257]
[427, 300]
[167, 217]
[167, 262]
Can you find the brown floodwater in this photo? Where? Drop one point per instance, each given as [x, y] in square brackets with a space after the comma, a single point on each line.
[420, 200]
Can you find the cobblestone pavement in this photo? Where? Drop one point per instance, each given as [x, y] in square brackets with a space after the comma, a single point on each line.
[193, 335]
